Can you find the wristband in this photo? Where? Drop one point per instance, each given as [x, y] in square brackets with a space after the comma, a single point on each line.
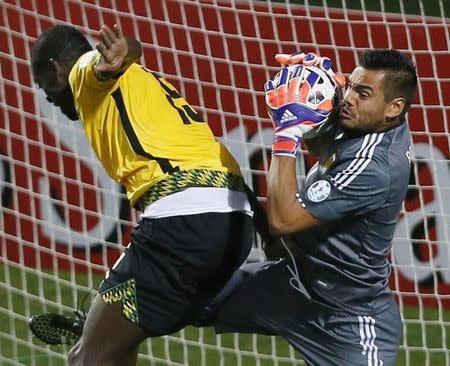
[285, 146]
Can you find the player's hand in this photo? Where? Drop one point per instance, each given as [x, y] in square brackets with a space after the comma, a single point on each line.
[298, 99]
[311, 59]
[289, 98]
[113, 47]
[307, 59]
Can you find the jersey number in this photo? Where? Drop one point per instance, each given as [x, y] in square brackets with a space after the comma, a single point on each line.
[186, 112]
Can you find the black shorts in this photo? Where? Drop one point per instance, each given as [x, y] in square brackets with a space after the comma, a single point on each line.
[174, 266]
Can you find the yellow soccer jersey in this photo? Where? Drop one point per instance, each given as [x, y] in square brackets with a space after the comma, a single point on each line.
[146, 135]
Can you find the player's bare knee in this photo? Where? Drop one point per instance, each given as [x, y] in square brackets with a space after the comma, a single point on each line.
[81, 355]
[74, 354]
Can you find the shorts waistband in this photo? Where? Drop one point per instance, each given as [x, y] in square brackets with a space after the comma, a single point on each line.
[183, 179]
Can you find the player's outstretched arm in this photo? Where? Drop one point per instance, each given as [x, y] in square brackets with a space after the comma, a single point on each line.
[118, 52]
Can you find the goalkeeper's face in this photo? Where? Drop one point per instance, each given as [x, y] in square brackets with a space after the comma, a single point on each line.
[364, 107]
[58, 92]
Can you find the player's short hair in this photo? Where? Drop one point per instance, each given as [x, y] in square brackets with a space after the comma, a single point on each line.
[62, 43]
[400, 73]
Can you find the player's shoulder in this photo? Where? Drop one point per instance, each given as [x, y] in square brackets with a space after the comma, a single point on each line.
[83, 67]
[361, 149]
[362, 160]
[375, 145]
[84, 73]
[89, 58]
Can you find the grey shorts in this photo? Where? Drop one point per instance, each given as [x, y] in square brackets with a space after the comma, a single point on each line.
[263, 298]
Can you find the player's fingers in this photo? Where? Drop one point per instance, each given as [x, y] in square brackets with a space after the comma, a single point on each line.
[271, 98]
[310, 59]
[105, 40]
[109, 32]
[295, 80]
[294, 90]
[290, 59]
[325, 63]
[282, 77]
[296, 72]
[297, 58]
[101, 47]
[118, 31]
[107, 35]
[283, 58]
[268, 86]
[281, 82]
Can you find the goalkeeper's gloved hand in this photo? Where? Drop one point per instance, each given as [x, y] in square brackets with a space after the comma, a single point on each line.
[311, 59]
[298, 99]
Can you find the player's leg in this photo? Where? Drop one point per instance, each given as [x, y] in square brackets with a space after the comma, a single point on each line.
[173, 267]
[268, 298]
[342, 339]
[108, 338]
[256, 299]
[380, 336]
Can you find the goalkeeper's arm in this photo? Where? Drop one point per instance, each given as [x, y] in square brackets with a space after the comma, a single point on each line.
[288, 98]
[286, 215]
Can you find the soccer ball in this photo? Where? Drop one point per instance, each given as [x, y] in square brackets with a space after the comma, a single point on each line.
[323, 89]
[323, 96]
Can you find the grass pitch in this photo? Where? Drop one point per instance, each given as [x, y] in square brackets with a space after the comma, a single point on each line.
[24, 292]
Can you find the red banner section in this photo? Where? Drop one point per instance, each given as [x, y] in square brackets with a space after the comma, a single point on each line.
[59, 208]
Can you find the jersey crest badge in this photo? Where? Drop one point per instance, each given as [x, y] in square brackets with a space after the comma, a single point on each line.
[319, 191]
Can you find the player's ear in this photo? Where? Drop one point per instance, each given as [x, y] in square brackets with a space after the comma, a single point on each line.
[59, 71]
[54, 66]
[57, 68]
[395, 108]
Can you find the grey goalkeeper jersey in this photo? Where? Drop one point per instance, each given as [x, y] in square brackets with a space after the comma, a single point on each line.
[357, 192]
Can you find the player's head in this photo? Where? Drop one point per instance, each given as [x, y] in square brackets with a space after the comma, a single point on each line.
[52, 57]
[380, 91]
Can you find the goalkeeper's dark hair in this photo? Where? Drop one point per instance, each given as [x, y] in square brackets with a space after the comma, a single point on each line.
[400, 73]
[62, 43]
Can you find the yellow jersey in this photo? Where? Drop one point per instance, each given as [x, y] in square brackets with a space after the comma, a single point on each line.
[146, 135]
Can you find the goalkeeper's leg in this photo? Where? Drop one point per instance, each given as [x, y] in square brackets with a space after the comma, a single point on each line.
[269, 298]
[108, 338]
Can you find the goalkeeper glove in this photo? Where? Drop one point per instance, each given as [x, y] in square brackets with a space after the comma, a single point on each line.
[311, 59]
[299, 99]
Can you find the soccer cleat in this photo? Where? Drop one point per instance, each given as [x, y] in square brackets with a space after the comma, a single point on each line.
[57, 329]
